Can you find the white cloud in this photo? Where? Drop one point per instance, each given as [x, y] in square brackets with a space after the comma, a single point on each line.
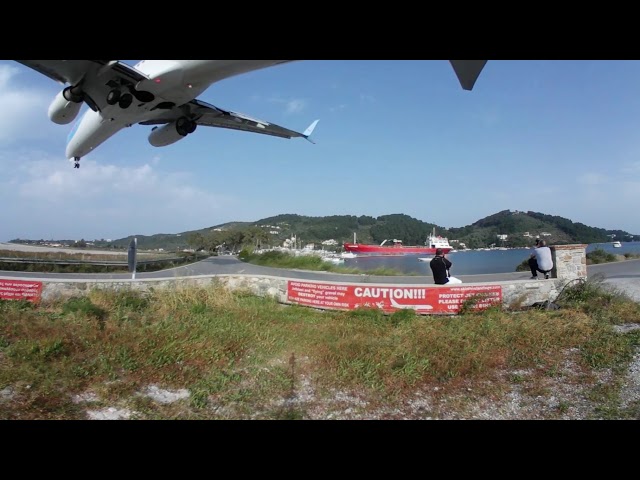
[592, 179]
[631, 167]
[630, 191]
[99, 200]
[338, 108]
[23, 115]
[295, 106]
[6, 72]
[291, 105]
[365, 98]
[488, 118]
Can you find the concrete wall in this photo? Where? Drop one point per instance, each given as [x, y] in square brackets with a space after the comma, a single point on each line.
[514, 293]
[569, 261]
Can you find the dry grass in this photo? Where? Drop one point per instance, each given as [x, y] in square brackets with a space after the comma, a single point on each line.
[245, 357]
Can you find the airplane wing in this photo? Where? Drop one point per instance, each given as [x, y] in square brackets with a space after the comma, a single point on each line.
[97, 77]
[467, 71]
[209, 115]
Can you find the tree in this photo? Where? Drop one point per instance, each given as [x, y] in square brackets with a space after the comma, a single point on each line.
[195, 241]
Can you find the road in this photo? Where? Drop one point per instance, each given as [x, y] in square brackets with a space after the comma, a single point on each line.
[619, 273]
[231, 265]
[624, 276]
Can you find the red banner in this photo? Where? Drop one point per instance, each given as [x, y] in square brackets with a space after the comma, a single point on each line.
[391, 298]
[20, 290]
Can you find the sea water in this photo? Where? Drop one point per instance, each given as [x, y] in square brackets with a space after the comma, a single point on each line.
[471, 262]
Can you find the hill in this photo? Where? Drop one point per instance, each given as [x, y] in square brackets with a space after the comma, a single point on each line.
[520, 228]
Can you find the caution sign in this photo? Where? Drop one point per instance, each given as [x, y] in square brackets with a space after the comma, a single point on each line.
[421, 299]
[20, 290]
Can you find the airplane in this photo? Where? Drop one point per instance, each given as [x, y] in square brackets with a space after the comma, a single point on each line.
[161, 93]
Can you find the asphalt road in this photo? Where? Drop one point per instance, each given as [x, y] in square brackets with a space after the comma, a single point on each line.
[231, 265]
[616, 272]
[623, 276]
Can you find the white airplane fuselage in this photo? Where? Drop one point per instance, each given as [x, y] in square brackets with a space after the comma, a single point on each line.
[175, 81]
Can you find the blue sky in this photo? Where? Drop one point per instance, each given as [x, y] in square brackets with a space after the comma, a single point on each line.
[556, 137]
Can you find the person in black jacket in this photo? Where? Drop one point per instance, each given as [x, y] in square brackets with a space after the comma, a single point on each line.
[440, 267]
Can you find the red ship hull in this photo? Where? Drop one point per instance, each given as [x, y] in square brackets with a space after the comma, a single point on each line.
[360, 248]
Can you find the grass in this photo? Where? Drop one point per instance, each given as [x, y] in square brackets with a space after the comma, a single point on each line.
[310, 262]
[246, 357]
[600, 256]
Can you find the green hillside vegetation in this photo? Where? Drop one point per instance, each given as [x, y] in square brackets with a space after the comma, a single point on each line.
[520, 227]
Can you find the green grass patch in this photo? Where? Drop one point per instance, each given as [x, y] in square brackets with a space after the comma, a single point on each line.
[246, 357]
[600, 256]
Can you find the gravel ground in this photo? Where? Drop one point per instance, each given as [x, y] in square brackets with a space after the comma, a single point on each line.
[630, 286]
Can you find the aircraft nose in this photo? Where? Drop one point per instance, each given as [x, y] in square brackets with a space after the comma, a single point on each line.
[70, 151]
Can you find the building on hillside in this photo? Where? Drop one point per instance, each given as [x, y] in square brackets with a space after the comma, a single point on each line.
[290, 242]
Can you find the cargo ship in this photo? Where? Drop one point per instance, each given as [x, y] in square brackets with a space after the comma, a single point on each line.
[395, 247]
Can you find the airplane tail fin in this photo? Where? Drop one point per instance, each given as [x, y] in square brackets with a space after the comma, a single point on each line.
[307, 133]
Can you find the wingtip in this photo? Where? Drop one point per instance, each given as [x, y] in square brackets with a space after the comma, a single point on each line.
[467, 72]
[310, 129]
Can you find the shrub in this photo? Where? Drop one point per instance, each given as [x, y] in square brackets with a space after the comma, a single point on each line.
[600, 256]
[84, 306]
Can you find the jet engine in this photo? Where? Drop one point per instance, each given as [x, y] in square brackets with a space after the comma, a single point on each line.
[62, 111]
[171, 132]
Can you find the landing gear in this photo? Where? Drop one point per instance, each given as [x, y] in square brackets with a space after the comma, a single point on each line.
[77, 162]
[125, 100]
[116, 96]
[113, 96]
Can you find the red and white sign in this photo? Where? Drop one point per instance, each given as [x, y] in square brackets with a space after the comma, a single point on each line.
[391, 298]
[20, 290]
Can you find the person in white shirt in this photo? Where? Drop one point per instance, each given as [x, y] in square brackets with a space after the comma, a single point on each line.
[541, 260]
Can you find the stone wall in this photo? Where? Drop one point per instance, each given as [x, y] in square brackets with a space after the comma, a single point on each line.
[569, 261]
